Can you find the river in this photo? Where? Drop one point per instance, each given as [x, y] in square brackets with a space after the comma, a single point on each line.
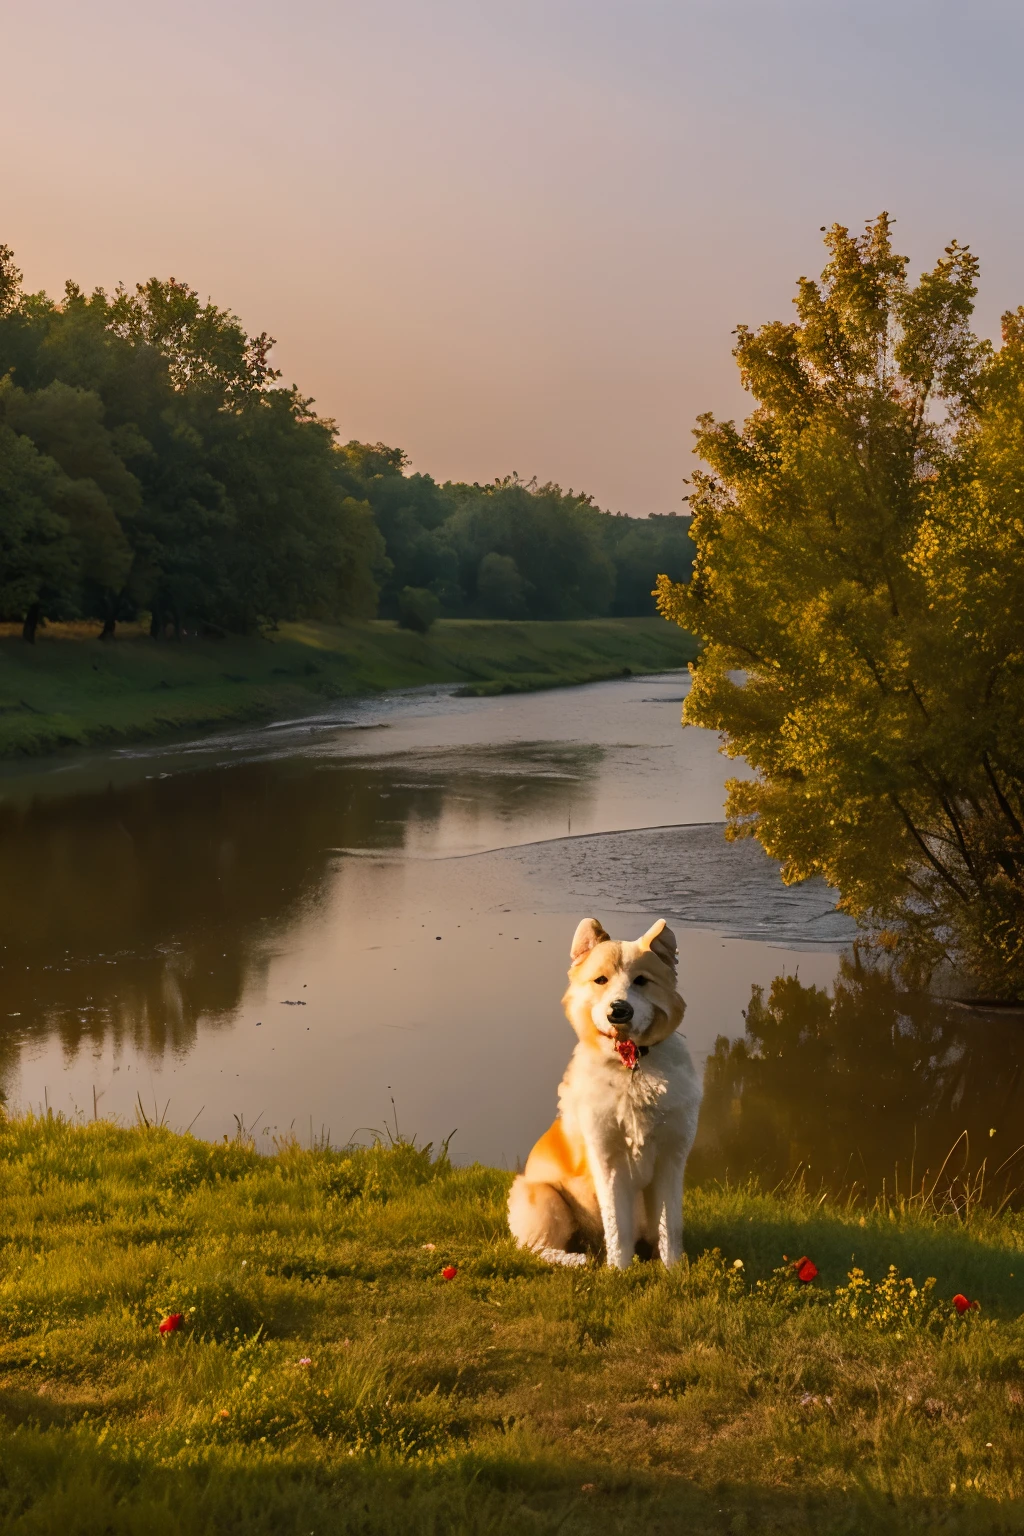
[341, 926]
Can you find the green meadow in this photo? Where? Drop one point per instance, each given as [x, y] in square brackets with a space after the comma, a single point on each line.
[72, 689]
[326, 1377]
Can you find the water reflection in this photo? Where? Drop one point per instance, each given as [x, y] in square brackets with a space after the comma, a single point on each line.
[868, 1084]
[134, 914]
[414, 885]
[691, 875]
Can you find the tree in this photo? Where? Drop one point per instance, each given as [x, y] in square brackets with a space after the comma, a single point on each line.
[875, 692]
[10, 280]
[37, 551]
[499, 587]
[185, 481]
[418, 609]
[205, 349]
[510, 548]
[294, 542]
[410, 511]
[641, 550]
[97, 495]
[553, 537]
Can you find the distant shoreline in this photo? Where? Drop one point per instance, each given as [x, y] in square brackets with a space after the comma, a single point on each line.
[73, 690]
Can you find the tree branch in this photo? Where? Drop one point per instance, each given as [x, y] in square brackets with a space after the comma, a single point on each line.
[943, 873]
[938, 788]
[1004, 804]
[918, 699]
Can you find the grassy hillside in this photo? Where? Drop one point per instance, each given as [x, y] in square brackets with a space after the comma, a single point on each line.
[71, 689]
[326, 1377]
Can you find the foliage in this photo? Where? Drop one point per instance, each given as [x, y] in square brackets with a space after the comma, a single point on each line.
[149, 460]
[418, 608]
[636, 547]
[550, 539]
[37, 557]
[325, 1377]
[409, 510]
[500, 588]
[858, 587]
[512, 549]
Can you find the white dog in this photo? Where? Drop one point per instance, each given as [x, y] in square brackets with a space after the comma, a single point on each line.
[612, 1164]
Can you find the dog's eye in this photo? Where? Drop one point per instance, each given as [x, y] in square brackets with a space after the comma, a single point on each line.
[600, 981]
[639, 981]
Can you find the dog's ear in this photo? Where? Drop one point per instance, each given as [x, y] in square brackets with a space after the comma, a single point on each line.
[587, 936]
[661, 941]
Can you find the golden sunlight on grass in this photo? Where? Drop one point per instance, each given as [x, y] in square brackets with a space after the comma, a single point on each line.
[71, 689]
[325, 1376]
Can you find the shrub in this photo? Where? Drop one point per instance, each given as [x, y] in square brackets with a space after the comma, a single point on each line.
[417, 609]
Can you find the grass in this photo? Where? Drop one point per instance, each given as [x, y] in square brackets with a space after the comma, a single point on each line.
[71, 689]
[326, 1378]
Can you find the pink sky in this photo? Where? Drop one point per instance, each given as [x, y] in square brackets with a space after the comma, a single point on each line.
[508, 236]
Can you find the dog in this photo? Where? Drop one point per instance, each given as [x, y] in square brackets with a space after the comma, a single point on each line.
[611, 1166]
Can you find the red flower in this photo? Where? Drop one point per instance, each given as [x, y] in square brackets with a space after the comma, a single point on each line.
[806, 1270]
[449, 1272]
[628, 1052]
[963, 1305]
[172, 1323]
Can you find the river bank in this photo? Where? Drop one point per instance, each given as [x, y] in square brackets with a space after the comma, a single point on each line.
[71, 689]
[320, 1372]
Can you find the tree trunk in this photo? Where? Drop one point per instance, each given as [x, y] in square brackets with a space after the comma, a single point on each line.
[107, 632]
[31, 624]
[156, 624]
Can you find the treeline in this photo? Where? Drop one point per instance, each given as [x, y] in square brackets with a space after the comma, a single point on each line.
[512, 549]
[151, 463]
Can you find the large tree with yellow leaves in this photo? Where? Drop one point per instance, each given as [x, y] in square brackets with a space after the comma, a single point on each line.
[859, 587]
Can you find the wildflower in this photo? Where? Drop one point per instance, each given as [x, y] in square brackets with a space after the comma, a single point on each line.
[586, 1487]
[963, 1305]
[806, 1270]
[172, 1322]
[449, 1272]
[305, 1360]
[737, 1263]
[628, 1053]
[430, 1247]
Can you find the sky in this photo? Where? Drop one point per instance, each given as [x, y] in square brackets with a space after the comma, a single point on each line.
[516, 235]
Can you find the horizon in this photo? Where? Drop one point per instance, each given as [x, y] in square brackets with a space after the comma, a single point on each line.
[509, 242]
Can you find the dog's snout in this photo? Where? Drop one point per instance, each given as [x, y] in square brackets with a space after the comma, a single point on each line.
[620, 1011]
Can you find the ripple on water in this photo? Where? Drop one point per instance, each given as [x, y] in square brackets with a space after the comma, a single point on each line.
[690, 875]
